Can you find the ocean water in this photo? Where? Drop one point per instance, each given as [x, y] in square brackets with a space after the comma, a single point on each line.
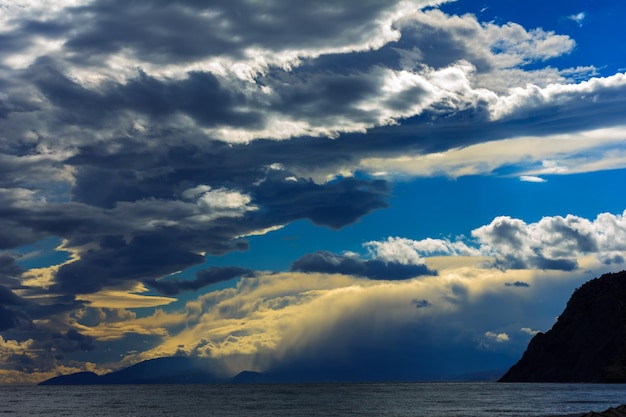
[388, 399]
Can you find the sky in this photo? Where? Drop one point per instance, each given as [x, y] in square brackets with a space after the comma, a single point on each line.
[397, 190]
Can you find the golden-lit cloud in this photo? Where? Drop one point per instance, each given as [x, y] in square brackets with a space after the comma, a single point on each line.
[269, 318]
[123, 299]
[576, 152]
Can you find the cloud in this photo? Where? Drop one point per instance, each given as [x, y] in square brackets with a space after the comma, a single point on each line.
[123, 299]
[407, 251]
[421, 303]
[498, 337]
[245, 29]
[36, 334]
[10, 318]
[529, 331]
[517, 284]
[152, 238]
[530, 156]
[327, 262]
[278, 308]
[553, 243]
[532, 178]
[578, 18]
[279, 322]
[518, 246]
[501, 46]
[73, 341]
[126, 262]
[203, 278]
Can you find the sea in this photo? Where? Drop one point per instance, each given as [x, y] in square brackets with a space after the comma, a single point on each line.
[338, 399]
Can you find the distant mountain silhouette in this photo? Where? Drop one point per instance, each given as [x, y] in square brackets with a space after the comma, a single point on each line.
[185, 370]
[588, 341]
[170, 370]
[79, 378]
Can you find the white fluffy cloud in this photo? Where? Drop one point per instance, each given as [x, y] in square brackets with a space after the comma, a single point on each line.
[407, 251]
[522, 100]
[529, 331]
[496, 49]
[553, 243]
[498, 337]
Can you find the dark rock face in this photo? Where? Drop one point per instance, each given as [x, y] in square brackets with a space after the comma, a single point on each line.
[588, 341]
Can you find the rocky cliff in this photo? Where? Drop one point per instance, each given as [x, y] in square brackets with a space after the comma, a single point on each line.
[588, 341]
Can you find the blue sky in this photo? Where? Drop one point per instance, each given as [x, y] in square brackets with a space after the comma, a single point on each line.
[383, 190]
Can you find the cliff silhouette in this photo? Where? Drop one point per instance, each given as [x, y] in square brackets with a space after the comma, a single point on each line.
[588, 341]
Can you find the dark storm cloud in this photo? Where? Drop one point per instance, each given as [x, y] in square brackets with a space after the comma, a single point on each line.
[10, 272]
[307, 94]
[19, 312]
[10, 314]
[13, 43]
[149, 251]
[73, 341]
[40, 323]
[334, 204]
[314, 96]
[540, 262]
[8, 297]
[203, 278]
[10, 318]
[421, 303]
[517, 284]
[48, 349]
[12, 232]
[163, 31]
[116, 262]
[533, 261]
[17, 315]
[200, 95]
[31, 223]
[330, 263]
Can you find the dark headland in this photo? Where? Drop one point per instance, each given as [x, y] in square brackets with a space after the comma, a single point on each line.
[586, 344]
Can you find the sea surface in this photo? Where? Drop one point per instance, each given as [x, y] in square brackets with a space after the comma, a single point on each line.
[388, 399]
